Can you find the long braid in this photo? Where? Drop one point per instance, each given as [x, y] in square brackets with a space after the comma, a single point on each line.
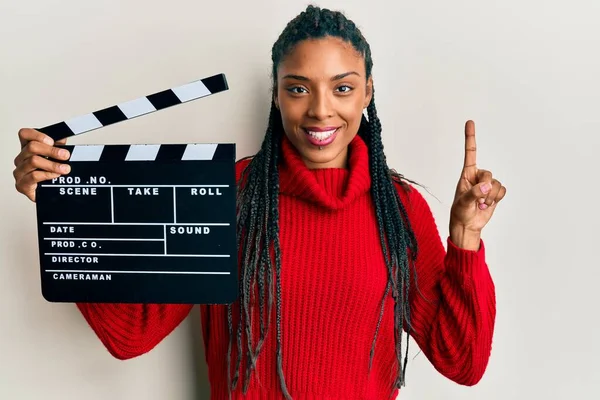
[394, 227]
[274, 235]
[258, 215]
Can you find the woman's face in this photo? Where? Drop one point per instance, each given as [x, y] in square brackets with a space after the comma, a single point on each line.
[321, 92]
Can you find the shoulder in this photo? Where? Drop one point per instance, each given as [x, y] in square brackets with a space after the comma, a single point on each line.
[407, 190]
[241, 166]
[412, 199]
[419, 214]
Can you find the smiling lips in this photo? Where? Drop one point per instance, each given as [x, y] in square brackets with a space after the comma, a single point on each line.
[321, 136]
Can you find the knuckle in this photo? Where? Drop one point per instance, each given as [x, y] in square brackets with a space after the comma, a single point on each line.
[23, 188]
[23, 132]
[38, 176]
[58, 167]
[35, 161]
[30, 162]
[49, 175]
[45, 175]
[55, 152]
[31, 147]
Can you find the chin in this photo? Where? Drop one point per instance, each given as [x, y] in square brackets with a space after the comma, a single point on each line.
[332, 152]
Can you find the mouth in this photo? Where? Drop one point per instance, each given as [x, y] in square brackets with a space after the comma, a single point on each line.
[321, 136]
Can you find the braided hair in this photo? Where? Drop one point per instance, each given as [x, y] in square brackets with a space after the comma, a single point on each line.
[257, 218]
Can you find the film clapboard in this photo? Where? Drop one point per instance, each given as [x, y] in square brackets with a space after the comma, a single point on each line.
[140, 223]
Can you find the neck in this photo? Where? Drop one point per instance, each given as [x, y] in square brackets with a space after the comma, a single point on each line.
[333, 188]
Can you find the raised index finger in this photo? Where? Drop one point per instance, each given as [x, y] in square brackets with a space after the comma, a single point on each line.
[470, 145]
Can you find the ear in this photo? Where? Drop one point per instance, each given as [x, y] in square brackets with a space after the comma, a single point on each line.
[369, 95]
[275, 98]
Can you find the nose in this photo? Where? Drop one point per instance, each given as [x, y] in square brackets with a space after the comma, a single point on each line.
[321, 106]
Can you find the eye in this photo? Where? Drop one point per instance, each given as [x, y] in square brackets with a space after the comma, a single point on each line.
[296, 90]
[345, 88]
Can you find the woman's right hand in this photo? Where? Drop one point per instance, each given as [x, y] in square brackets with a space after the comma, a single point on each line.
[31, 166]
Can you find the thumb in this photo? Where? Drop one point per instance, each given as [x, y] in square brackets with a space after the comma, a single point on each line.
[476, 192]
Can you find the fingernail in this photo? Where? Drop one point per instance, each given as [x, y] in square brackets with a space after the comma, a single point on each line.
[65, 168]
[63, 153]
[483, 206]
[48, 141]
[486, 187]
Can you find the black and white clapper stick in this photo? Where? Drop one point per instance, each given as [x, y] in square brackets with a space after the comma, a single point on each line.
[134, 108]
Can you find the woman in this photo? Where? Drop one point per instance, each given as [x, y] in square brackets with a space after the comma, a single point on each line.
[339, 256]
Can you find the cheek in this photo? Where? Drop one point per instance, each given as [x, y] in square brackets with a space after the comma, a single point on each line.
[292, 112]
[351, 111]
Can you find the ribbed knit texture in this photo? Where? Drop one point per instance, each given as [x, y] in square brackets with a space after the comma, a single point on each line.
[333, 280]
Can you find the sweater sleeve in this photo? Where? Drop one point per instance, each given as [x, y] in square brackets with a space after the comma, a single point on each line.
[453, 304]
[130, 330]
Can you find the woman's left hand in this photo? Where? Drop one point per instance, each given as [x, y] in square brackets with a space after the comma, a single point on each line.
[477, 193]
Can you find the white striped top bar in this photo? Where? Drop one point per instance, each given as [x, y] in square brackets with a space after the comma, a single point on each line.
[142, 152]
[137, 107]
[86, 153]
[151, 152]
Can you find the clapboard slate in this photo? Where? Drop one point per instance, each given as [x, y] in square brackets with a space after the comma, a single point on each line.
[151, 223]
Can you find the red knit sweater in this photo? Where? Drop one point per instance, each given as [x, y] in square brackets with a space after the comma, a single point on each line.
[333, 279]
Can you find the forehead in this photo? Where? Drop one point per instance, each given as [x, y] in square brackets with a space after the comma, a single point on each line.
[322, 58]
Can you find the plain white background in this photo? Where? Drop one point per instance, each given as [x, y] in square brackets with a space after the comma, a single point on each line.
[526, 71]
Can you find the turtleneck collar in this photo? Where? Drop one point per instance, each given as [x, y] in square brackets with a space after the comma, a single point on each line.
[331, 188]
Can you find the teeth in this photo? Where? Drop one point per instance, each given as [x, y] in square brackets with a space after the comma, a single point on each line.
[321, 135]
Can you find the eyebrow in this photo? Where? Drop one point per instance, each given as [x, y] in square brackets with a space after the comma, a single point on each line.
[334, 78]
